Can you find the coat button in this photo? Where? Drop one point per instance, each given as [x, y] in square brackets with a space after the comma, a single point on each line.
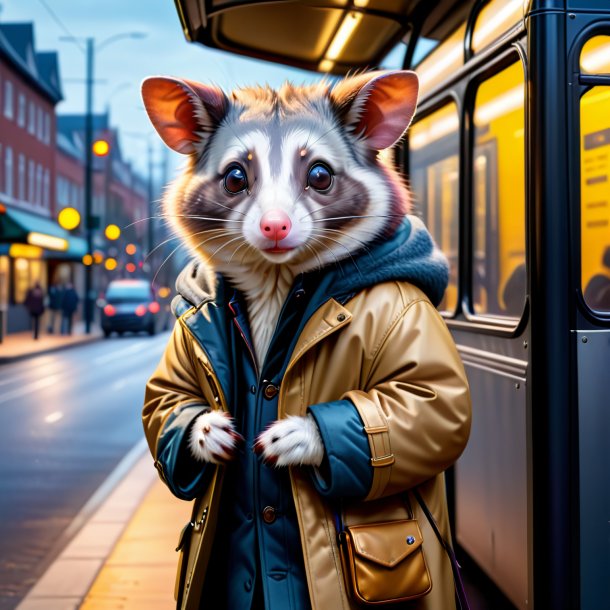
[252, 389]
[270, 391]
[268, 514]
[341, 317]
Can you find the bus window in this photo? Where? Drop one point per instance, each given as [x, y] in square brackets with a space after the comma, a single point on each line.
[595, 56]
[495, 18]
[499, 274]
[595, 179]
[434, 158]
[445, 60]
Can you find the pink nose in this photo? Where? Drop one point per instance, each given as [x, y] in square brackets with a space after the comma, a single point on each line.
[275, 225]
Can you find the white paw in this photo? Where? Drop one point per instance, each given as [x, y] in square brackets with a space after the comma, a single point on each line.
[213, 438]
[294, 441]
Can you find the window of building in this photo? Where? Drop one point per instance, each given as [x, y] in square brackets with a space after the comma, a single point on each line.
[22, 177]
[434, 177]
[499, 274]
[595, 178]
[32, 118]
[46, 190]
[8, 171]
[21, 110]
[40, 131]
[1, 171]
[8, 99]
[47, 128]
[38, 200]
[31, 180]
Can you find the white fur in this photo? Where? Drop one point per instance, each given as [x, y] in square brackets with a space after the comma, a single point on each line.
[294, 441]
[213, 434]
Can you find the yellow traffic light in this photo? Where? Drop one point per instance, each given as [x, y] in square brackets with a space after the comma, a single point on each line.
[100, 148]
[110, 264]
[68, 218]
[112, 232]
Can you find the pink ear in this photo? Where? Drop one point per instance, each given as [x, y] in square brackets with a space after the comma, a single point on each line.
[183, 112]
[380, 105]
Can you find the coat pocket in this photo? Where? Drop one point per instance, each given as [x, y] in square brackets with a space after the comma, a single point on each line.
[384, 563]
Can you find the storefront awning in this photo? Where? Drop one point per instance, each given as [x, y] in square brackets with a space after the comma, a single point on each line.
[19, 226]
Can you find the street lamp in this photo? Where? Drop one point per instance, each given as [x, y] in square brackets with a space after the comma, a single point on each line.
[91, 47]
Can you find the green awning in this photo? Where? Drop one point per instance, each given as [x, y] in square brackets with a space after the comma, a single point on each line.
[17, 225]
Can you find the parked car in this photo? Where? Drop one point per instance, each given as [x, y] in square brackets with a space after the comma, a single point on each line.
[129, 305]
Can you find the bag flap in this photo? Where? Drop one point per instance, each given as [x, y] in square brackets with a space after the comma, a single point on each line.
[386, 543]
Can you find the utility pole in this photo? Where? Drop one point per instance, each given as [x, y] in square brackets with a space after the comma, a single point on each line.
[89, 184]
[151, 206]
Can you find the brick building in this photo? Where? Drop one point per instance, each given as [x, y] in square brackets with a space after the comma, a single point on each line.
[31, 241]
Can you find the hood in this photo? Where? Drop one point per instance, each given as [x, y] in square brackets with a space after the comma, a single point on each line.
[410, 255]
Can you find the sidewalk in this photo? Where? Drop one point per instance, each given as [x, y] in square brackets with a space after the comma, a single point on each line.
[16, 346]
[123, 557]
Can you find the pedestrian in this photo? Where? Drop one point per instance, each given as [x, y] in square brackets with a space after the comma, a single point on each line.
[68, 308]
[34, 302]
[56, 296]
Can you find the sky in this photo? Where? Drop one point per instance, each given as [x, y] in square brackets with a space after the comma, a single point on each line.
[122, 65]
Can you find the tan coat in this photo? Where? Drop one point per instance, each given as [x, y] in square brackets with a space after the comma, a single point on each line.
[390, 353]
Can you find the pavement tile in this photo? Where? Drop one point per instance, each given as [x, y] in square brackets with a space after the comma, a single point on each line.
[141, 570]
[96, 540]
[51, 603]
[67, 578]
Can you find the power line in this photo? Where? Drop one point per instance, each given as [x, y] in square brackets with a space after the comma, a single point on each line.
[61, 24]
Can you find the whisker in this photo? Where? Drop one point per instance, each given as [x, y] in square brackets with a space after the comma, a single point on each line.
[363, 216]
[225, 245]
[345, 248]
[337, 261]
[183, 237]
[364, 245]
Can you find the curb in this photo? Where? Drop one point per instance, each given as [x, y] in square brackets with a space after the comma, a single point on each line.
[92, 535]
[49, 350]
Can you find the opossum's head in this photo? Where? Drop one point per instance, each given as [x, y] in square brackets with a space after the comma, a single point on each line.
[290, 176]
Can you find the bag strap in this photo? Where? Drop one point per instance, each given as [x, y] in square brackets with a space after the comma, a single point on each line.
[460, 591]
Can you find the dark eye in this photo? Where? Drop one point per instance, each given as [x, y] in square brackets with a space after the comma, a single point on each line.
[319, 177]
[236, 180]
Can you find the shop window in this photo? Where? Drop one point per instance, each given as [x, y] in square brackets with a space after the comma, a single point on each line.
[26, 272]
[499, 273]
[434, 177]
[595, 179]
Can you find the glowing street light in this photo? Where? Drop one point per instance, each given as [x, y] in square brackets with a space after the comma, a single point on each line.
[87, 260]
[68, 218]
[112, 232]
[100, 148]
[130, 249]
[110, 264]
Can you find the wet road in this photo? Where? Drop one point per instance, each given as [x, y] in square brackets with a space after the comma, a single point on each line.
[66, 421]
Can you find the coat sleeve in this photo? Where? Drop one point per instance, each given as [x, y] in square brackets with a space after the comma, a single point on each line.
[173, 401]
[416, 404]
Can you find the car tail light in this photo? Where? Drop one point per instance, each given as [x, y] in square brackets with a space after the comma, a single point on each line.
[154, 307]
[109, 310]
[141, 310]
